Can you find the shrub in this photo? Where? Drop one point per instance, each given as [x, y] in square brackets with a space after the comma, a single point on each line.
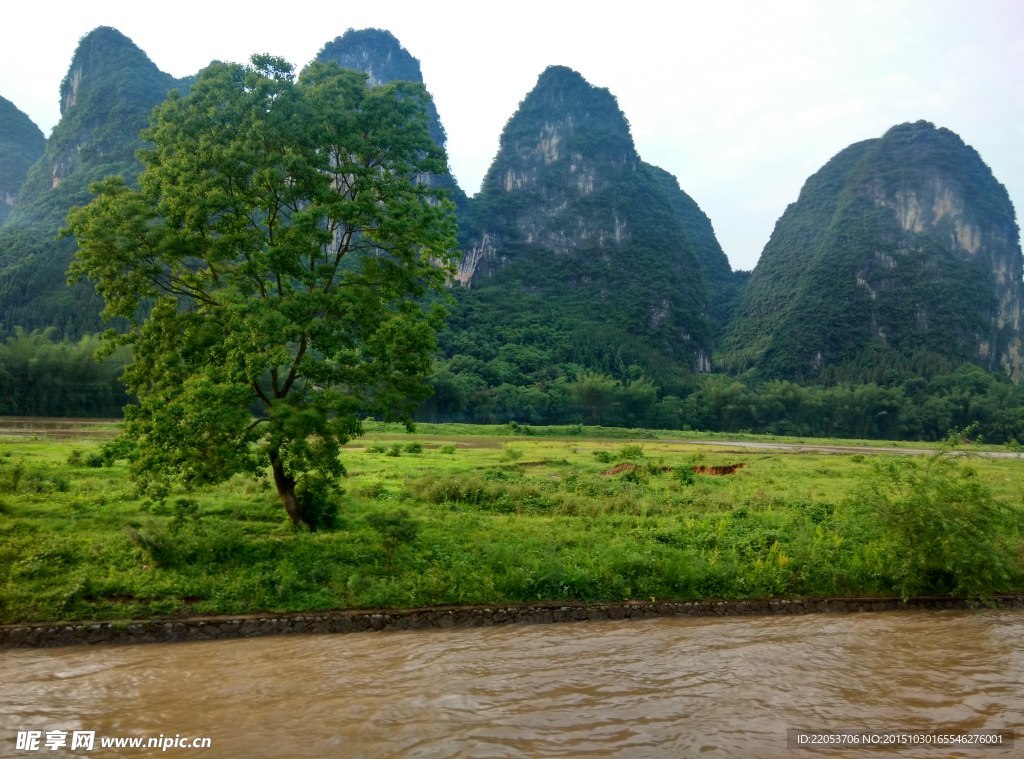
[373, 490]
[414, 448]
[497, 493]
[318, 503]
[631, 453]
[684, 474]
[396, 528]
[10, 477]
[186, 539]
[942, 530]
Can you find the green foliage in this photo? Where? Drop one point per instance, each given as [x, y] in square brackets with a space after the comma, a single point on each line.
[630, 452]
[21, 144]
[186, 540]
[396, 528]
[11, 474]
[943, 529]
[319, 502]
[475, 530]
[684, 474]
[280, 250]
[42, 377]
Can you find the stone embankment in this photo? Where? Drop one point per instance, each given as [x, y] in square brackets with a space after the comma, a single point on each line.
[222, 628]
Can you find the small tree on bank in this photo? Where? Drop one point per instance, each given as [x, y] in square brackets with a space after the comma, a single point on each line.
[274, 266]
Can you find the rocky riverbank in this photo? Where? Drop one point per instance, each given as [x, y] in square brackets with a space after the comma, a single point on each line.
[248, 626]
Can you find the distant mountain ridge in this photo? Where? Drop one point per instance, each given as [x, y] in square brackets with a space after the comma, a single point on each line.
[900, 258]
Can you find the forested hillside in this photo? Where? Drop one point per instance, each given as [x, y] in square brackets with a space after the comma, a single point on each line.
[900, 259]
[578, 267]
[106, 97]
[21, 144]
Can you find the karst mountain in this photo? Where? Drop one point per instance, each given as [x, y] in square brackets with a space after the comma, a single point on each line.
[901, 257]
[582, 263]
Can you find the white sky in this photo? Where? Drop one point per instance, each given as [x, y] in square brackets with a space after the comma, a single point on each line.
[741, 99]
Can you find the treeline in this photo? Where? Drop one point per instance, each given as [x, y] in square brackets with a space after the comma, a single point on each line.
[40, 376]
[916, 409]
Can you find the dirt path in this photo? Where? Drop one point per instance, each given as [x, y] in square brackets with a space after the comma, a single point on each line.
[812, 448]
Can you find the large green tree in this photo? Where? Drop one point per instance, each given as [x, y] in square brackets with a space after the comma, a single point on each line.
[276, 266]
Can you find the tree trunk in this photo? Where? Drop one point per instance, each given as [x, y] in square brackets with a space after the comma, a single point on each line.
[286, 489]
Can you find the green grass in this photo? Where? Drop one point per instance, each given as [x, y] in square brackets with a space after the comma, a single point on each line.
[463, 515]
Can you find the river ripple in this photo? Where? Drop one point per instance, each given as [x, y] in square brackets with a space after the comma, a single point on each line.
[724, 687]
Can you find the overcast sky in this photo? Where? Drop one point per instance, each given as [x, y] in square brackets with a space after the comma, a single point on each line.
[741, 99]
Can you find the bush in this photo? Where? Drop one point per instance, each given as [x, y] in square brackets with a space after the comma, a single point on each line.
[414, 448]
[631, 453]
[373, 490]
[318, 503]
[942, 530]
[396, 528]
[684, 474]
[186, 539]
[10, 477]
[493, 492]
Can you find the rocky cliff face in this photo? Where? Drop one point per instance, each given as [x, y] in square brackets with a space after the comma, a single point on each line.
[901, 255]
[21, 144]
[569, 212]
[566, 148]
[106, 98]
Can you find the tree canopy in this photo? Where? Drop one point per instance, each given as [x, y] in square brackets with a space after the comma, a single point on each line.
[275, 265]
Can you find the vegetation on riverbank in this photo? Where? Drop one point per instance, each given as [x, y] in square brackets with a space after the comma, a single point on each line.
[446, 516]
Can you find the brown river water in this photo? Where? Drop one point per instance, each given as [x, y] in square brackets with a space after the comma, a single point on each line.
[674, 687]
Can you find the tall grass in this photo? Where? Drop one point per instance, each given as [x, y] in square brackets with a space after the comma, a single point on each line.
[444, 523]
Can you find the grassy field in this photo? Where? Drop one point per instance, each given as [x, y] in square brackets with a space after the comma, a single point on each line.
[471, 515]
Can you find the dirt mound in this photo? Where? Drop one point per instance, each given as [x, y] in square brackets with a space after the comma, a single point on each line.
[625, 466]
[727, 469]
[629, 466]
